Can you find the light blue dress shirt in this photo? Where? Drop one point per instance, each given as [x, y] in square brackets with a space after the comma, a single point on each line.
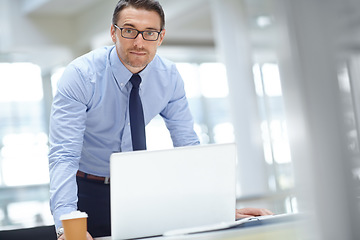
[90, 118]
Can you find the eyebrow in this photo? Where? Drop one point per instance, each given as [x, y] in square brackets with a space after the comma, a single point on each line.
[132, 26]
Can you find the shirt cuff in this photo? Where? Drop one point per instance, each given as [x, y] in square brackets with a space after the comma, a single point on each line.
[57, 213]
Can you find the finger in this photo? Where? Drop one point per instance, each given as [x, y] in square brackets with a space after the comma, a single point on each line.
[62, 237]
[239, 216]
[248, 211]
[241, 213]
[254, 211]
[88, 236]
[268, 212]
[265, 212]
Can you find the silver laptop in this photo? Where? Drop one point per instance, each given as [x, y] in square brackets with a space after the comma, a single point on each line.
[153, 192]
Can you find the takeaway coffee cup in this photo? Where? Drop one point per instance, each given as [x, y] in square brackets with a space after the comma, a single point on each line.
[75, 225]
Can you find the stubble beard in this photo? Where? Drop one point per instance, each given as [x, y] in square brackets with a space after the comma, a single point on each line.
[133, 61]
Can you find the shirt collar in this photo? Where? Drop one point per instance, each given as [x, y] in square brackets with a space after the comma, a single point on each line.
[145, 72]
[120, 72]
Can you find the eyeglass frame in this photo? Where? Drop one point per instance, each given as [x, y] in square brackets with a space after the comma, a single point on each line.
[138, 32]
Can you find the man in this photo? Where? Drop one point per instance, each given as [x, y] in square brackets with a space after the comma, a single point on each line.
[91, 113]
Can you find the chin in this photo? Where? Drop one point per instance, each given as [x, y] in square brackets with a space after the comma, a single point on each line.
[137, 64]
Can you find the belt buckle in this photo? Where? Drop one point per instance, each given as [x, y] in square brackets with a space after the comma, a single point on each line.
[107, 180]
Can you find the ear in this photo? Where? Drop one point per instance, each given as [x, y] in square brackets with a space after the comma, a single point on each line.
[113, 33]
[161, 37]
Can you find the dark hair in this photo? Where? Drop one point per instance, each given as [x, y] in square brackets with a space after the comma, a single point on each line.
[150, 5]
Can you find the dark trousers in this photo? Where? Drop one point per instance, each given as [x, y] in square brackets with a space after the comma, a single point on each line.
[94, 199]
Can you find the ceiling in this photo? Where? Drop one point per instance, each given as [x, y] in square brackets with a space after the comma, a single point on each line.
[57, 7]
[68, 28]
[180, 15]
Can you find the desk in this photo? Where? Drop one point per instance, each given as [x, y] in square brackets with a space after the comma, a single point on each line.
[280, 231]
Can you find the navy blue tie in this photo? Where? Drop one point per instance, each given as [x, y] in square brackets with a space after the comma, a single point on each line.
[137, 124]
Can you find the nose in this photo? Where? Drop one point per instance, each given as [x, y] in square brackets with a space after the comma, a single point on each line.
[139, 41]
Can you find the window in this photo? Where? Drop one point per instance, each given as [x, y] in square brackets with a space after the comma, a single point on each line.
[273, 126]
[23, 147]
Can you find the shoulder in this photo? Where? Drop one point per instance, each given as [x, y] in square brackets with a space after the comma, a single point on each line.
[92, 62]
[81, 74]
[165, 70]
[162, 64]
[86, 67]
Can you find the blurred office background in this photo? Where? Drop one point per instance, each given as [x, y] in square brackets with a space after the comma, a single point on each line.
[281, 78]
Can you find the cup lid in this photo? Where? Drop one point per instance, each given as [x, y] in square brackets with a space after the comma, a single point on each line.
[73, 215]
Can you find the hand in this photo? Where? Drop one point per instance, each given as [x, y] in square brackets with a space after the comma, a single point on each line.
[88, 237]
[252, 212]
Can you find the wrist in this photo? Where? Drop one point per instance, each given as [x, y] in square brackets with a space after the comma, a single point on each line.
[59, 231]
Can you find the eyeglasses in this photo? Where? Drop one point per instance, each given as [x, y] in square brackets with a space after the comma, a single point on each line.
[131, 33]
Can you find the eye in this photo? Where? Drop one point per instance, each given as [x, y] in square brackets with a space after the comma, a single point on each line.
[129, 30]
[150, 33]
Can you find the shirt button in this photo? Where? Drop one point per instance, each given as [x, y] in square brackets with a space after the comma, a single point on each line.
[121, 84]
[128, 124]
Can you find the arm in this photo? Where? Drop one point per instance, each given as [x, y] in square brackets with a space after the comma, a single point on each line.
[67, 126]
[177, 116]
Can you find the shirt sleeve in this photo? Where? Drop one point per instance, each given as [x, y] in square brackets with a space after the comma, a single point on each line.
[67, 125]
[177, 115]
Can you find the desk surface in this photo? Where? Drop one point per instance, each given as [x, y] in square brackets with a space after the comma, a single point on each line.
[280, 231]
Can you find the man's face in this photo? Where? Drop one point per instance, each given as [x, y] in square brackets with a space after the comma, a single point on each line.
[136, 53]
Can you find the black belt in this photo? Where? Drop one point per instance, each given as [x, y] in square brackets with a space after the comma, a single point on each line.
[105, 180]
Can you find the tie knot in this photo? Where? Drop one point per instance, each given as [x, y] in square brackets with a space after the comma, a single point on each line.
[135, 80]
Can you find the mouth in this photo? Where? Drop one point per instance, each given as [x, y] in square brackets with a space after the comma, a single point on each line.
[138, 53]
